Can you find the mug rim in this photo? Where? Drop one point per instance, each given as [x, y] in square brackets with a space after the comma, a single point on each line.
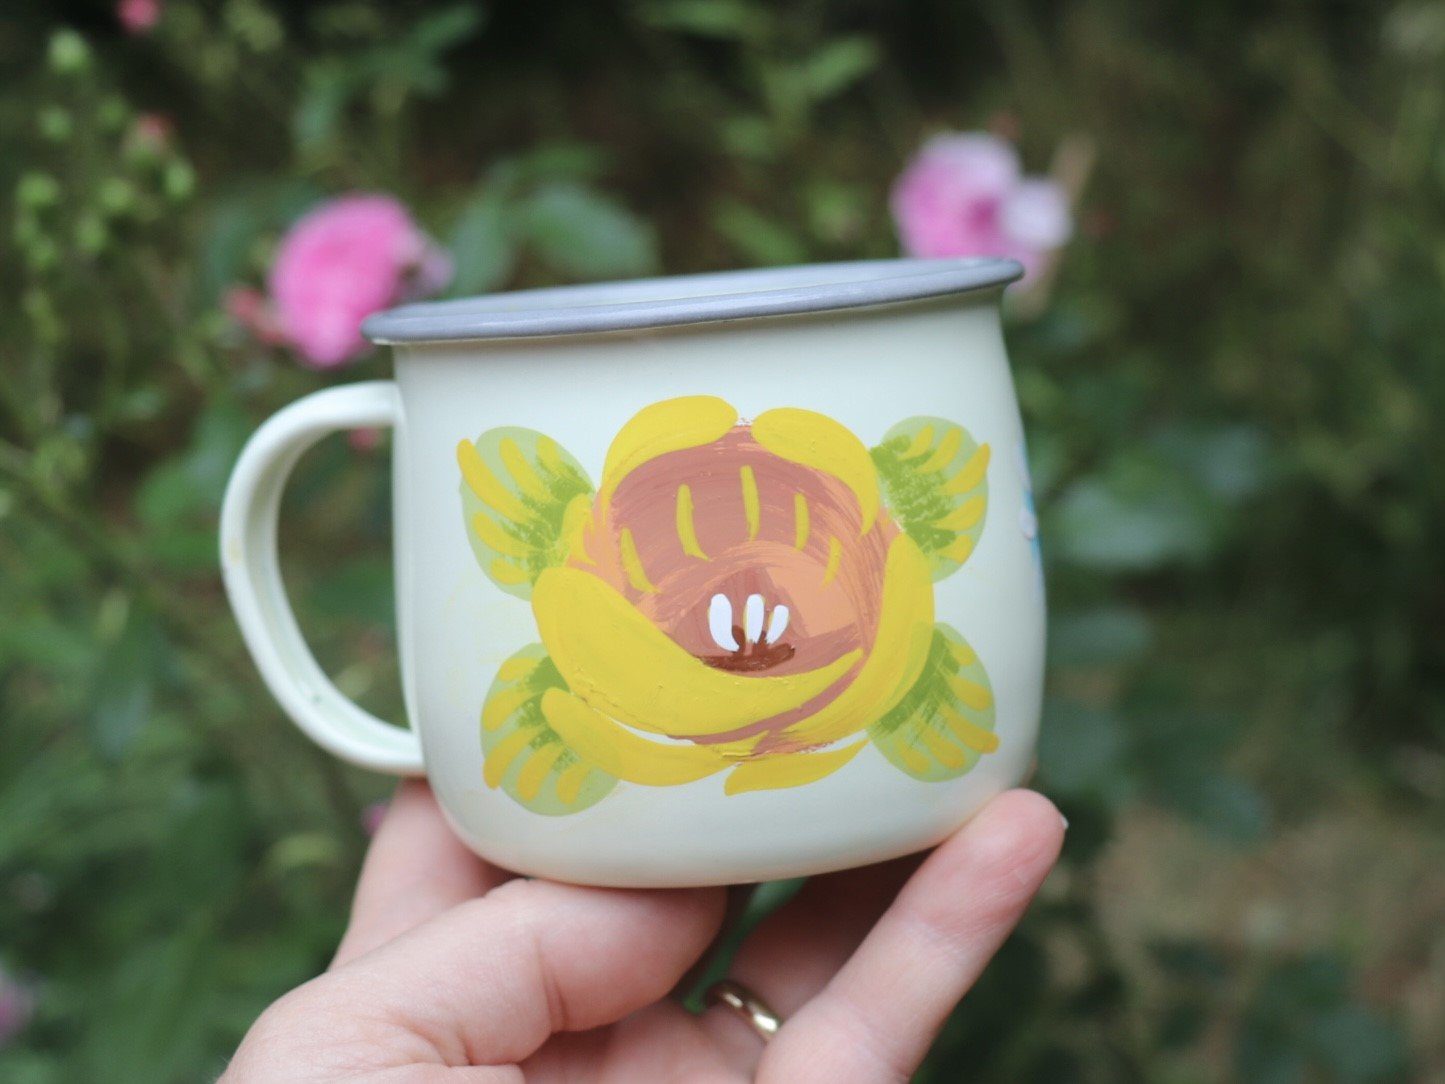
[703, 298]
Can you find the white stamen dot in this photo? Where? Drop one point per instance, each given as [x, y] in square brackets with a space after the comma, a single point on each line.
[777, 624]
[753, 618]
[720, 623]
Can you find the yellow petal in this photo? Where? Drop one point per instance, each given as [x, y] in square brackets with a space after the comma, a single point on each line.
[624, 665]
[963, 517]
[668, 426]
[521, 471]
[970, 474]
[900, 650]
[606, 744]
[503, 754]
[788, 769]
[817, 441]
[534, 771]
[491, 532]
[501, 705]
[487, 487]
[943, 455]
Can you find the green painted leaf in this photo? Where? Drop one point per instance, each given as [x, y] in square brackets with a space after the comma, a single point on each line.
[945, 722]
[522, 496]
[935, 482]
[523, 755]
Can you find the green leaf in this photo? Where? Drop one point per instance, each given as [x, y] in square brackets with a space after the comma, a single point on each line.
[935, 482]
[1140, 518]
[482, 246]
[582, 233]
[945, 722]
[525, 756]
[1104, 636]
[838, 65]
[524, 499]
[1082, 752]
[760, 239]
[728, 19]
[124, 692]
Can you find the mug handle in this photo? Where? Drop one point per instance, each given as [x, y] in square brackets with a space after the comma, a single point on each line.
[252, 574]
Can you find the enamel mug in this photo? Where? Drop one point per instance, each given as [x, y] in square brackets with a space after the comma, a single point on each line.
[699, 580]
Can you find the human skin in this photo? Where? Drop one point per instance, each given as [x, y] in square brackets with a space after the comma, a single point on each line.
[454, 970]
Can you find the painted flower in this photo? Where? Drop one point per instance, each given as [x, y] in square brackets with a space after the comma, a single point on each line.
[343, 261]
[138, 16]
[17, 1006]
[735, 595]
[965, 194]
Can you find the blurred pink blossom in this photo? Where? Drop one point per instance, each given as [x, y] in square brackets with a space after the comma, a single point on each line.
[965, 194]
[17, 1006]
[138, 16]
[343, 261]
[372, 816]
[365, 440]
[152, 131]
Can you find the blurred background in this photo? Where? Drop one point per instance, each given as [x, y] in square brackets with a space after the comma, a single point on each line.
[1230, 355]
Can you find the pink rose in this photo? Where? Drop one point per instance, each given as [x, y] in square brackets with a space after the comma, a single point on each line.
[343, 261]
[138, 16]
[965, 194]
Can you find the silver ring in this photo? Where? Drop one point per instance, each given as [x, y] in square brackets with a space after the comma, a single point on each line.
[754, 1011]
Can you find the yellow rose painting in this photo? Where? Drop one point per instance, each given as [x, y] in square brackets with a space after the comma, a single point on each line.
[748, 598]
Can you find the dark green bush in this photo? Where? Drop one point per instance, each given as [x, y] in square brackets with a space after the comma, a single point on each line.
[1233, 394]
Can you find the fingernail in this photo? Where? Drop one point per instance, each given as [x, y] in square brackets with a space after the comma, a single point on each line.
[1065, 821]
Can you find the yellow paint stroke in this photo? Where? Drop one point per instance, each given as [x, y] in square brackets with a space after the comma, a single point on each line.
[900, 651]
[958, 550]
[576, 520]
[502, 704]
[504, 571]
[491, 532]
[944, 751]
[788, 769]
[965, 655]
[915, 761]
[971, 734]
[970, 693]
[503, 754]
[964, 516]
[751, 508]
[971, 473]
[943, 455]
[482, 482]
[569, 783]
[517, 667]
[686, 531]
[800, 521]
[835, 558]
[534, 772]
[922, 441]
[517, 466]
[668, 426]
[817, 441]
[606, 744]
[632, 564]
[549, 454]
[624, 665]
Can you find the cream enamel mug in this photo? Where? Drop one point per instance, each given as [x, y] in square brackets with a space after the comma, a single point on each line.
[700, 580]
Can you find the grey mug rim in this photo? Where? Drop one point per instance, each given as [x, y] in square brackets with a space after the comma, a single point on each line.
[705, 298]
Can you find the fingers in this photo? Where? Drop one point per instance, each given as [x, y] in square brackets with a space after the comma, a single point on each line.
[489, 981]
[875, 1019]
[797, 949]
[415, 869]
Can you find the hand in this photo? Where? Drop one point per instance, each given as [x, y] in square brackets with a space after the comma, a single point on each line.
[452, 970]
